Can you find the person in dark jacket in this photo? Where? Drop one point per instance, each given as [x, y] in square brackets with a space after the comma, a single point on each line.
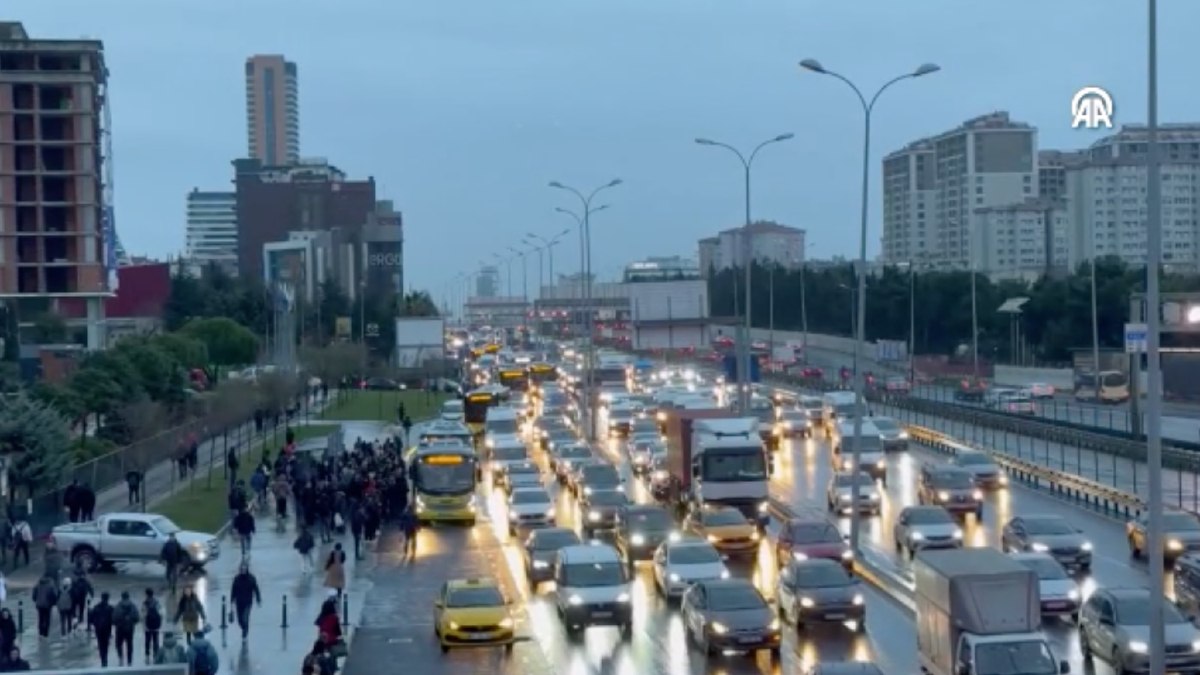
[304, 546]
[81, 590]
[71, 501]
[189, 613]
[8, 630]
[125, 620]
[243, 524]
[152, 620]
[133, 479]
[45, 599]
[13, 663]
[101, 621]
[358, 522]
[87, 503]
[52, 563]
[172, 557]
[245, 594]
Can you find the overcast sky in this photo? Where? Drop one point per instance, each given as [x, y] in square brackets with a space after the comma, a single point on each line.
[463, 110]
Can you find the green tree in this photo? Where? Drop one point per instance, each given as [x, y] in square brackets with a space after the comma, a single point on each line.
[49, 328]
[227, 342]
[188, 352]
[333, 361]
[37, 440]
[160, 375]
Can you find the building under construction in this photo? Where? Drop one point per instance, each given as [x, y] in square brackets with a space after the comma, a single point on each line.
[57, 235]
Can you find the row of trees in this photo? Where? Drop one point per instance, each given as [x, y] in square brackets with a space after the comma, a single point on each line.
[1056, 320]
[247, 301]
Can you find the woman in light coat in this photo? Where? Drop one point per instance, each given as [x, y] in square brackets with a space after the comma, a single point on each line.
[335, 570]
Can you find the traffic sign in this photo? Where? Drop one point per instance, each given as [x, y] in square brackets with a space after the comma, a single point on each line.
[1135, 338]
[731, 363]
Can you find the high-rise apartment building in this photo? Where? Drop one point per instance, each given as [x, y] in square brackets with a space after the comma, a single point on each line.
[212, 229]
[933, 187]
[1024, 240]
[272, 110]
[487, 282]
[769, 243]
[57, 235]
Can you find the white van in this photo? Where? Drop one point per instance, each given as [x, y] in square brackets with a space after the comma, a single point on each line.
[593, 589]
[871, 457]
[839, 405]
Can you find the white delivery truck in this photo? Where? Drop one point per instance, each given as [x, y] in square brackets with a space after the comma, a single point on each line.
[979, 612]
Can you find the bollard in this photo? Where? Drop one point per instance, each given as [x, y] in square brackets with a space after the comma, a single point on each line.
[224, 614]
[345, 609]
[20, 617]
[284, 623]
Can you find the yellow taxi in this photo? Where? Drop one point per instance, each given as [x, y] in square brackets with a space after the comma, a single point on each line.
[726, 529]
[472, 613]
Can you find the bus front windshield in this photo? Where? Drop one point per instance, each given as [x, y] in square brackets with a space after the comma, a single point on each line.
[445, 478]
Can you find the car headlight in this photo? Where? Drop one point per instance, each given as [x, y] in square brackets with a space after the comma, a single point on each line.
[916, 536]
[806, 602]
[674, 578]
[674, 536]
[593, 515]
[454, 625]
[846, 464]
[640, 459]
[660, 475]
[1196, 646]
[796, 555]
[944, 496]
[1003, 479]
[624, 597]
[712, 538]
[978, 495]
[763, 507]
[773, 626]
[958, 534]
[1086, 546]
[880, 464]
[1072, 594]
[718, 628]
[506, 622]
[490, 443]
[575, 600]
[858, 599]
[875, 496]
[540, 564]
[587, 490]
[847, 554]
[512, 515]
[904, 435]
[724, 574]
[1138, 647]
[1039, 547]
[755, 536]
[550, 512]
[1175, 545]
[637, 540]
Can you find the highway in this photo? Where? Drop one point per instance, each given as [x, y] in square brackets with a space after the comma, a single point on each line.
[800, 479]
[1180, 421]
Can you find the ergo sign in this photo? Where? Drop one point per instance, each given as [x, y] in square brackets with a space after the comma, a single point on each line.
[385, 260]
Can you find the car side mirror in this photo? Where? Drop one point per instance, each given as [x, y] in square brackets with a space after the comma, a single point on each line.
[1064, 667]
[438, 604]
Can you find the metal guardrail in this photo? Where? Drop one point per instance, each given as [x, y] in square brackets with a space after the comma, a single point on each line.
[1082, 490]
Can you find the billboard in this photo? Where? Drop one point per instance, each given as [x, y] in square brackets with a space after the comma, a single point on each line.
[419, 340]
[385, 265]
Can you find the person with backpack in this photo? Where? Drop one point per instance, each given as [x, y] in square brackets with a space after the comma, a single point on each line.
[202, 656]
[304, 546]
[22, 535]
[101, 621]
[152, 613]
[125, 620]
[319, 661]
[45, 599]
[172, 651]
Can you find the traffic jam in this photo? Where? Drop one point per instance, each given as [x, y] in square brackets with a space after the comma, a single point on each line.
[682, 535]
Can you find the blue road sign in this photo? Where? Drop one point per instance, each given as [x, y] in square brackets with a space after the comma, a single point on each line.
[731, 368]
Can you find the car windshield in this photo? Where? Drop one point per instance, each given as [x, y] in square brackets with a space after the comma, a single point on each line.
[1179, 522]
[552, 540]
[508, 454]
[645, 426]
[699, 554]
[870, 442]
[820, 575]
[608, 498]
[575, 452]
[530, 497]
[724, 517]
[1048, 526]
[600, 475]
[522, 468]
[649, 519]
[974, 459]
[815, 533]
[732, 598]
[1026, 657]
[582, 575]
[1045, 568]
[645, 439]
[164, 525]
[847, 480]
[812, 405]
[794, 415]
[929, 517]
[452, 407]
[843, 409]
[501, 426]
[1136, 612]
[952, 480]
[885, 424]
[486, 596]
[727, 467]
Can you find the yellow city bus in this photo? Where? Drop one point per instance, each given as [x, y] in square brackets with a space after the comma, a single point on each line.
[475, 407]
[444, 480]
[543, 372]
[515, 379]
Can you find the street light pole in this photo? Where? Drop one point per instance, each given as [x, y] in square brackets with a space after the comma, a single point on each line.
[771, 309]
[912, 324]
[1153, 359]
[816, 67]
[743, 370]
[804, 309]
[590, 316]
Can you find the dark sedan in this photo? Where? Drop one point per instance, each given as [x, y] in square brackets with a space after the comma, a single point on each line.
[730, 615]
[820, 591]
[640, 530]
[540, 550]
[812, 539]
[1048, 534]
[598, 510]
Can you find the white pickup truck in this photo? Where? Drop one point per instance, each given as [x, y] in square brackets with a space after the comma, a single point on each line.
[130, 537]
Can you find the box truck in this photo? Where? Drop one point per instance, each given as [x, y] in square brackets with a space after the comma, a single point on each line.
[979, 613]
[715, 457]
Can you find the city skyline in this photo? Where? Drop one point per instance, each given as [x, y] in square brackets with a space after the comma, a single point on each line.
[465, 143]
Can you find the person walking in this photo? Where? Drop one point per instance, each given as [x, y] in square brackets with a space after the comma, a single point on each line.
[66, 608]
[152, 615]
[189, 613]
[243, 524]
[319, 661]
[45, 599]
[409, 525]
[329, 626]
[245, 594]
[133, 479]
[101, 621]
[202, 656]
[87, 503]
[172, 652]
[282, 490]
[71, 501]
[81, 590]
[8, 630]
[125, 620]
[304, 546]
[52, 562]
[22, 537]
[358, 523]
[172, 556]
[335, 570]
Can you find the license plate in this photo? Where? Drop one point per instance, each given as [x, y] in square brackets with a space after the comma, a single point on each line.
[835, 617]
[478, 636]
[1055, 605]
[748, 640]
[602, 615]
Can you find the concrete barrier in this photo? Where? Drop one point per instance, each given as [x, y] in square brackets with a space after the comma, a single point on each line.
[1062, 379]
